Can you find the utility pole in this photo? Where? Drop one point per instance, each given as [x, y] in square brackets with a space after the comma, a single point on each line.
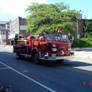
[77, 28]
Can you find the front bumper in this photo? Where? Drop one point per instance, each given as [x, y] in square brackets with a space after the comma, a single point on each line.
[50, 58]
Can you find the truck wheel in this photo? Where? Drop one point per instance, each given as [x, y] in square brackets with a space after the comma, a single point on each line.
[36, 58]
[18, 56]
[60, 61]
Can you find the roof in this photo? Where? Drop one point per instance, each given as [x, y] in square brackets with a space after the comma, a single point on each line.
[3, 22]
[4, 30]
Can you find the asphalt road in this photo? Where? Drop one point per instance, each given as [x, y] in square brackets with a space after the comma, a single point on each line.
[25, 76]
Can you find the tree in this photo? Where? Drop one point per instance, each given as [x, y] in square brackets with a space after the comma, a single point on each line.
[49, 17]
[87, 29]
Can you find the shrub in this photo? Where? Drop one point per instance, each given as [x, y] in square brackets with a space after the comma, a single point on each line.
[82, 43]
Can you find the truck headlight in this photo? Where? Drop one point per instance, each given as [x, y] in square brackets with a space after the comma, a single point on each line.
[46, 55]
[62, 52]
[54, 45]
[54, 49]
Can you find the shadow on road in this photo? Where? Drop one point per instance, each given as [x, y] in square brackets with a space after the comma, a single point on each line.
[65, 63]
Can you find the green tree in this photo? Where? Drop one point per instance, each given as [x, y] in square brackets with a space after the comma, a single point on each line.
[49, 17]
[87, 29]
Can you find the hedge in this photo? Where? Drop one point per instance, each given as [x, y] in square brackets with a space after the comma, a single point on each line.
[82, 43]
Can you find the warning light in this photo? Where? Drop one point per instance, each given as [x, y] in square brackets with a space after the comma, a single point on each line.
[59, 29]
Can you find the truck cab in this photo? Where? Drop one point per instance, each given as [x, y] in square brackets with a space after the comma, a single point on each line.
[55, 46]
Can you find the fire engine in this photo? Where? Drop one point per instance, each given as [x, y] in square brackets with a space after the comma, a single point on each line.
[49, 47]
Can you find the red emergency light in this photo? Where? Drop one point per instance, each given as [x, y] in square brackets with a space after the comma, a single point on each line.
[59, 30]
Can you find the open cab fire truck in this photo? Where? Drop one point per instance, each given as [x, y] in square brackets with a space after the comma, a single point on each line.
[52, 47]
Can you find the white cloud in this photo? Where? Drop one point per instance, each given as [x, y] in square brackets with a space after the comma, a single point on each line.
[16, 7]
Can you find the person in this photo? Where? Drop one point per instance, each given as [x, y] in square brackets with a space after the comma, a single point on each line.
[41, 37]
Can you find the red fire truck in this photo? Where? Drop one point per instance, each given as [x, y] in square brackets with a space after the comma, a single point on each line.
[52, 47]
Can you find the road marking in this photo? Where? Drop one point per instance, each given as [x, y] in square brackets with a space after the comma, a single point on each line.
[29, 78]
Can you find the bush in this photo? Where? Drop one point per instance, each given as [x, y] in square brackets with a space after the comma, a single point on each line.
[82, 43]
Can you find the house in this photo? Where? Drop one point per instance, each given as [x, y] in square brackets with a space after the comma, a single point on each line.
[8, 30]
[18, 26]
[4, 32]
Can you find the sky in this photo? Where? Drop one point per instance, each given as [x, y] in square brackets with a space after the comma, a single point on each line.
[11, 9]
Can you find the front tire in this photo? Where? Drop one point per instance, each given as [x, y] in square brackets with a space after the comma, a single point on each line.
[36, 58]
[18, 56]
[60, 61]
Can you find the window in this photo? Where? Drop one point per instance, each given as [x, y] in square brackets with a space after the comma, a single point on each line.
[57, 37]
[4, 40]
[22, 27]
[8, 33]
[3, 33]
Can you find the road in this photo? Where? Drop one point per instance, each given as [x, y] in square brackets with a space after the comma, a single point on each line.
[73, 75]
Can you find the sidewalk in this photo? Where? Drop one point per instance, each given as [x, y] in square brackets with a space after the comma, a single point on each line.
[83, 56]
[82, 49]
[6, 46]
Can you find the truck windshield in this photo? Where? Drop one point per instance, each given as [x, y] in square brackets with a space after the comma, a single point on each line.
[57, 37]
